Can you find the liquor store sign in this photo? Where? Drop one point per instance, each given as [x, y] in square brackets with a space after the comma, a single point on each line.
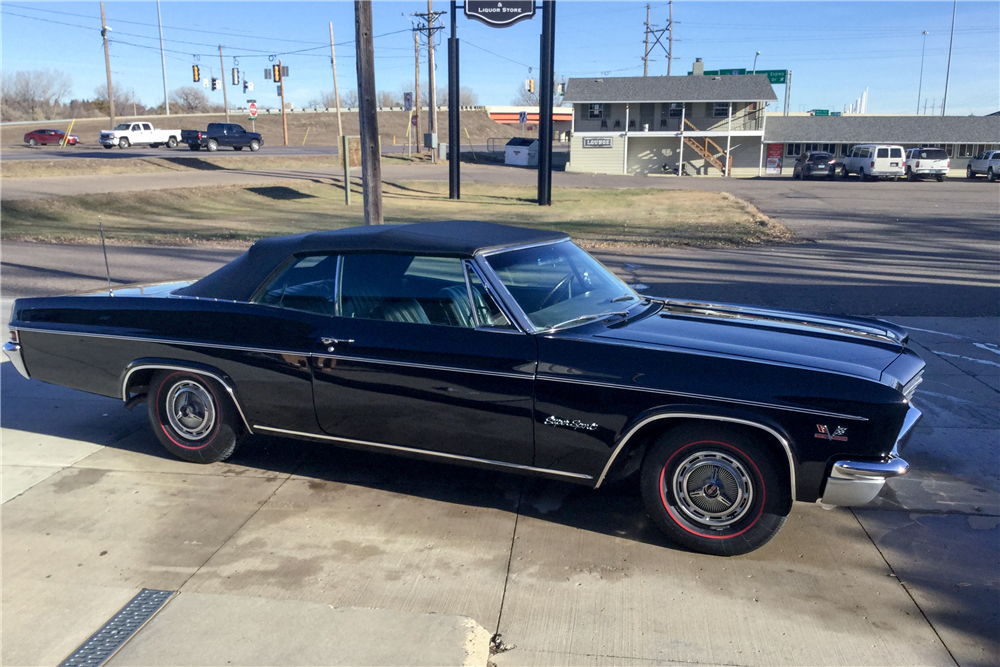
[597, 142]
[499, 13]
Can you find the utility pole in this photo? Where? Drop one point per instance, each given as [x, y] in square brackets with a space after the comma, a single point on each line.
[371, 166]
[658, 35]
[645, 58]
[920, 86]
[431, 96]
[547, 42]
[951, 41]
[416, 84]
[284, 119]
[222, 75]
[107, 66]
[454, 117]
[163, 60]
[336, 91]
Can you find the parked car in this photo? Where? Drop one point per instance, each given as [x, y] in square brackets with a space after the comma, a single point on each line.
[128, 134]
[222, 134]
[874, 161]
[502, 348]
[814, 163]
[922, 162]
[987, 163]
[45, 137]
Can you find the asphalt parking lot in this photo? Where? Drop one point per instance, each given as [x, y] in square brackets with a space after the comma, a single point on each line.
[294, 553]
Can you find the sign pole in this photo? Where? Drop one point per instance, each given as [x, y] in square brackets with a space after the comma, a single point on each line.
[454, 116]
[548, 54]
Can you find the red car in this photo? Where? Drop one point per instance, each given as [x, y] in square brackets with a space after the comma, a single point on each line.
[36, 137]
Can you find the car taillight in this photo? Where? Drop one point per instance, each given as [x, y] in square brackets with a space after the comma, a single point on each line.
[918, 164]
[199, 135]
[13, 336]
[947, 165]
[831, 161]
[873, 163]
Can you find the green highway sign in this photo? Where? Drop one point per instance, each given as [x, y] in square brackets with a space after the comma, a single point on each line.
[721, 72]
[821, 112]
[774, 75]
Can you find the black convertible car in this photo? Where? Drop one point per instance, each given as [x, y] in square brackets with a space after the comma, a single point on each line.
[499, 347]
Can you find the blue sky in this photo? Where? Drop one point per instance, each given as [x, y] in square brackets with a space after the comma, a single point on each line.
[835, 49]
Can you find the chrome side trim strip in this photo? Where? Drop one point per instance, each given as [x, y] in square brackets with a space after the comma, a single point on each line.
[167, 341]
[13, 352]
[431, 367]
[705, 397]
[685, 415]
[412, 450]
[195, 371]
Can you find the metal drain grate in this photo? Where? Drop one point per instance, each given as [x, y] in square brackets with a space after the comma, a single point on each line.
[103, 643]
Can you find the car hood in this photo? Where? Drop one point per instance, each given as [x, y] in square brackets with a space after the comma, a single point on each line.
[852, 346]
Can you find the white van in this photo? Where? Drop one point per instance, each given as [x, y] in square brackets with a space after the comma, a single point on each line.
[874, 161]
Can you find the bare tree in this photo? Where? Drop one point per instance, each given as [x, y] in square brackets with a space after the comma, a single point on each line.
[386, 99]
[350, 98]
[123, 98]
[35, 94]
[189, 99]
[326, 100]
[526, 99]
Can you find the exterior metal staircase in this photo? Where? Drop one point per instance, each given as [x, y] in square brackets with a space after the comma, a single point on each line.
[705, 152]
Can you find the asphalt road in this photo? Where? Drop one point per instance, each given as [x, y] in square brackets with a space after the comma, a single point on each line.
[94, 510]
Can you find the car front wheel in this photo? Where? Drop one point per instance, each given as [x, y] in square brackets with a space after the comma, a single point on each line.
[213, 145]
[32, 142]
[123, 143]
[990, 175]
[254, 145]
[714, 489]
[968, 172]
[192, 417]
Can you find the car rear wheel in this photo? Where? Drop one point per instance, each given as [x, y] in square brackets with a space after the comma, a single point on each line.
[213, 145]
[861, 174]
[969, 173]
[254, 145]
[940, 178]
[990, 175]
[910, 176]
[844, 173]
[192, 417]
[714, 489]
[123, 143]
[171, 143]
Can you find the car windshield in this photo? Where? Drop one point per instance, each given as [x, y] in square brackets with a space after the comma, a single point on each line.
[122, 126]
[560, 285]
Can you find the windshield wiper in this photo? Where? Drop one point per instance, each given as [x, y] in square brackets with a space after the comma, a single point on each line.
[587, 318]
[623, 297]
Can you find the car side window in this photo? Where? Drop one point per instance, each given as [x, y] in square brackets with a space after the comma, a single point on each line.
[405, 288]
[307, 283]
[147, 127]
[135, 128]
[488, 313]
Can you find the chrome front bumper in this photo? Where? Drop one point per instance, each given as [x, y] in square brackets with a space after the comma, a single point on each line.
[13, 352]
[858, 482]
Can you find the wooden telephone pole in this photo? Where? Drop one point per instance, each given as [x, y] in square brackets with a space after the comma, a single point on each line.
[416, 83]
[284, 119]
[222, 73]
[336, 91]
[107, 66]
[371, 166]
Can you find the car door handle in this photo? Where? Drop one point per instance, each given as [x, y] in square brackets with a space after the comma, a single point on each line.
[331, 343]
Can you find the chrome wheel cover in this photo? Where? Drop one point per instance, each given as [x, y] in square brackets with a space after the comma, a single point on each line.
[712, 488]
[190, 410]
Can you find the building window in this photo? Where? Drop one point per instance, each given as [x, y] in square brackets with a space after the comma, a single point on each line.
[792, 150]
[845, 149]
[596, 111]
[966, 150]
[676, 109]
[721, 110]
[604, 124]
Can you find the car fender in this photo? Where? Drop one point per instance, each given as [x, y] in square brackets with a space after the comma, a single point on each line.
[640, 426]
[132, 371]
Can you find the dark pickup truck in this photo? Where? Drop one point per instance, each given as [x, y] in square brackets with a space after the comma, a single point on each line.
[222, 134]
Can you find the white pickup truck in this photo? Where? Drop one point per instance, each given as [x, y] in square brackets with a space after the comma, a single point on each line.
[137, 132]
[987, 162]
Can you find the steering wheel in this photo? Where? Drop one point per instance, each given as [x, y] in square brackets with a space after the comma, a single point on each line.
[563, 283]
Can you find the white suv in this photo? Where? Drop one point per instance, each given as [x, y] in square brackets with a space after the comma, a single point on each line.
[927, 162]
[874, 161]
[987, 162]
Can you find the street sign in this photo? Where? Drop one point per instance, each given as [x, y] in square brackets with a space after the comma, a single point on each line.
[774, 75]
[821, 112]
[522, 117]
[413, 120]
[499, 13]
[407, 101]
[253, 110]
[721, 72]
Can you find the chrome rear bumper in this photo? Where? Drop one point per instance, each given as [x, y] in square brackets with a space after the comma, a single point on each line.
[13, 352]
[858, 482]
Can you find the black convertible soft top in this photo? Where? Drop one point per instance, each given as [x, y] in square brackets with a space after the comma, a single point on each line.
[238, 280]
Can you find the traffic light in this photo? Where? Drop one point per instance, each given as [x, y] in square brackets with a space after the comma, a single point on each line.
[561, 89]
[276, 73]
[196, 73]
[215, 83]
[245, 85]
[531, 86]
[236, 77]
